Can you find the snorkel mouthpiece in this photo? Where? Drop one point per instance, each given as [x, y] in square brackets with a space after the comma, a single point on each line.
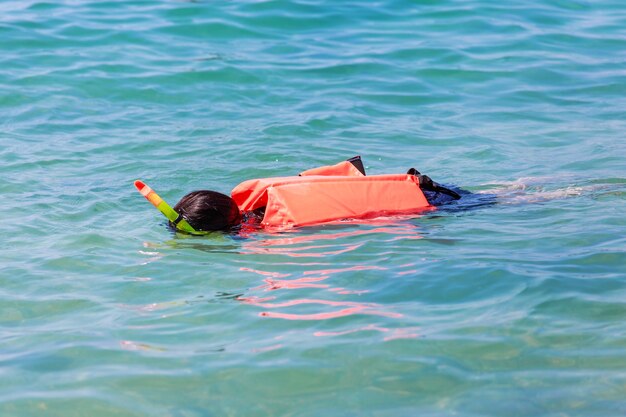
[177, 219]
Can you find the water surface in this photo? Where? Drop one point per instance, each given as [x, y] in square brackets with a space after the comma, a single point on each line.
[512, 309]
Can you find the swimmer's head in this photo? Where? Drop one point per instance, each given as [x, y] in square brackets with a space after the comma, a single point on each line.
[208, 211]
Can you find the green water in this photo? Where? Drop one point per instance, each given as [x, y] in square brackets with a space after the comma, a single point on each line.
[512, 309]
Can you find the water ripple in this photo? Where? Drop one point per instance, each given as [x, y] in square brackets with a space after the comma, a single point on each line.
[476, 309]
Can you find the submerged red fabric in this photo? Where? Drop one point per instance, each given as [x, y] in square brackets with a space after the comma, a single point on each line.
[313, 199]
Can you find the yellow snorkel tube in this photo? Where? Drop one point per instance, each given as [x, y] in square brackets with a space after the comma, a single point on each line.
[177, 219]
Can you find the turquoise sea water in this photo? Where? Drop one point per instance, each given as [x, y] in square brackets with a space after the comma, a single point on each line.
[514, 309]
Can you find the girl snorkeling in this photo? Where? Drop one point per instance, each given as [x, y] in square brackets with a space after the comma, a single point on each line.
[316, 196]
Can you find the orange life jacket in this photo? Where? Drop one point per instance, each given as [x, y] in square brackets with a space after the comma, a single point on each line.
[330, 193]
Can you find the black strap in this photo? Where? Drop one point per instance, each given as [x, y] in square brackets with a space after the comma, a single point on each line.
[178, 219]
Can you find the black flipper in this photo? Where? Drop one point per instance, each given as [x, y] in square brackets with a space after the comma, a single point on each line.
[358, 164]
[413, 171]
[428, 184]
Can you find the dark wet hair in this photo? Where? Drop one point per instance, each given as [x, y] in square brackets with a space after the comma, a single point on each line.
[208, 210]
